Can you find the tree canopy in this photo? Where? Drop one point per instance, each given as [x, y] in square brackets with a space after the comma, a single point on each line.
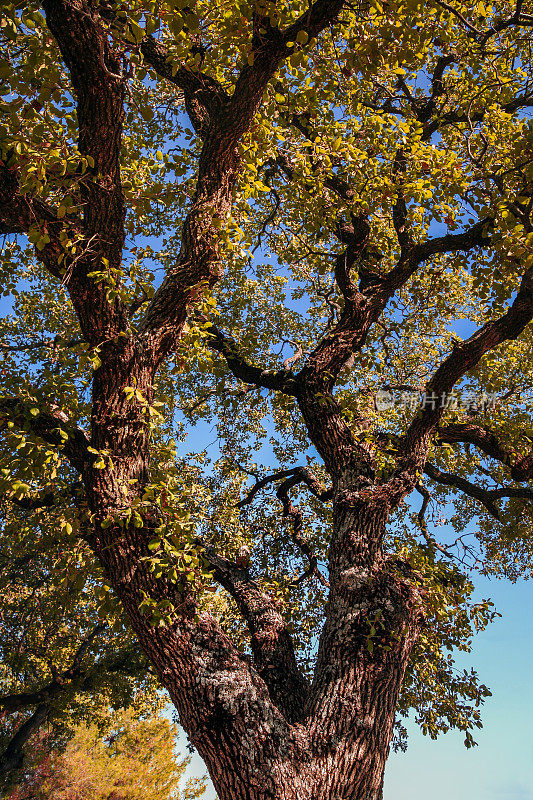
[66, 653]
[268, 281]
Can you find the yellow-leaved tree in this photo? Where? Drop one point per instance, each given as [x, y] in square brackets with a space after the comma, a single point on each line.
[124, 757]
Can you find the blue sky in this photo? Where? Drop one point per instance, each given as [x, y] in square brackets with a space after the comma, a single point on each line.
[501, 767]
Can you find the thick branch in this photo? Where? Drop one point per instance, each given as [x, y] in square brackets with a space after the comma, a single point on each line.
[361, 311]
[76, 676]
[96, 73]
[219, 166]
[20, 212]
[282, 380]
[472, 237]
[64, 680]
[13, 756]
[477, 492]
[204, 96]
[318, 16]
[271, 642]
[16, 702]
[486, 440]
[463, 357]
[487, 497]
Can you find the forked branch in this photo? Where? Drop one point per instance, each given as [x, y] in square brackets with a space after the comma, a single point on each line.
[271, 641]
[291, 478]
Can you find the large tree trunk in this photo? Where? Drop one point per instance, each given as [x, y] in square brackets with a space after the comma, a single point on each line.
[373, 617]
[254, 744]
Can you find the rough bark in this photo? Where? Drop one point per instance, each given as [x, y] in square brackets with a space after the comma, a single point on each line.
[249, 727]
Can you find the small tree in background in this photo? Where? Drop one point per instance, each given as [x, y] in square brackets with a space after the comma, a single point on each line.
[125, 757]
[67, 653]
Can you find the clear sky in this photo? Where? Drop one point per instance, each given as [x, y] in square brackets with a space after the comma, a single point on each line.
[501, 767]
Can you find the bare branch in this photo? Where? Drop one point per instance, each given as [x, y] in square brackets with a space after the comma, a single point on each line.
[297, 525]
[300, 474]
[426, 497]
[361, 311]
[291, 478]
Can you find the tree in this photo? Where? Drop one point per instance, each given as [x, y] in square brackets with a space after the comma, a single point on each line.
[67, 653]
[383, 154]
[129, 757]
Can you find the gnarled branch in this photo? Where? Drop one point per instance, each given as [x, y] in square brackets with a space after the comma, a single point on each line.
[291, 478]
[282, 380]
[299, 474]
[271, 641]
[487, 497]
